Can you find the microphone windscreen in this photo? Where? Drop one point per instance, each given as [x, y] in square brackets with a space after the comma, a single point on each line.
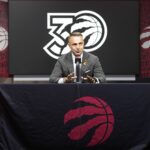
[77, 60]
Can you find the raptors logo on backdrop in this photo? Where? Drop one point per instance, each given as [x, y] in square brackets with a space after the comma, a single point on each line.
[60, 25]
[145, 38]
[145, 52]
[4, 39]
[93, 120]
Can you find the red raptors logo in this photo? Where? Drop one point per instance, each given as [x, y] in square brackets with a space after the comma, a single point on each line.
[100, 118]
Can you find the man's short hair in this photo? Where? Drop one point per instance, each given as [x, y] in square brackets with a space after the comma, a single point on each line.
[74, 34]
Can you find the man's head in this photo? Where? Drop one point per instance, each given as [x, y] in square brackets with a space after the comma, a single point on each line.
[76, 43]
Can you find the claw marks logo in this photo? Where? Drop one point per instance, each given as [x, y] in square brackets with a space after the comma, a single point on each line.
[145, 38]
[93, 120]
[89, 23]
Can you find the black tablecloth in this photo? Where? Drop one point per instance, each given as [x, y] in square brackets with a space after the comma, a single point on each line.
[74, 116]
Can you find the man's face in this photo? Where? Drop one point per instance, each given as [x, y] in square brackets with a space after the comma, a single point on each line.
[76, 44]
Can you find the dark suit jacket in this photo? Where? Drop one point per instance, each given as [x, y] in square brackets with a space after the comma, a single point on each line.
[64, 66]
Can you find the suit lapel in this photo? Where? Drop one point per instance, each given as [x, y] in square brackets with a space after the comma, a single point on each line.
[69, 63]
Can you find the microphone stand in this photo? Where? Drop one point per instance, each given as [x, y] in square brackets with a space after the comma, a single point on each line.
[78, 69]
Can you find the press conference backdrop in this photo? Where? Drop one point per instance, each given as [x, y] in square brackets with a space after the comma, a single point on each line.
[38, 31]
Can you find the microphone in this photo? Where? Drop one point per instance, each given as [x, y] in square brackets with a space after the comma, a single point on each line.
[78, 60]
[78, 69]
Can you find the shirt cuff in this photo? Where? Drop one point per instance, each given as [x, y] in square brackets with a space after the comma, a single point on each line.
[97, 80]
[61, 80]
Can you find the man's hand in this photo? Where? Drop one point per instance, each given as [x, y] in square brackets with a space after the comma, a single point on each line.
[89, 79]
[70, 78]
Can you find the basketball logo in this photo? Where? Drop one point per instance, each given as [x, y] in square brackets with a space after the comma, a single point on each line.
[94, 114]
[145, 38]
[93, 28]
[3, 39]
[91, 24]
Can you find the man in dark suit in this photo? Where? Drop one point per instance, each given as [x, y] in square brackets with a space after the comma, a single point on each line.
[65, 70]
